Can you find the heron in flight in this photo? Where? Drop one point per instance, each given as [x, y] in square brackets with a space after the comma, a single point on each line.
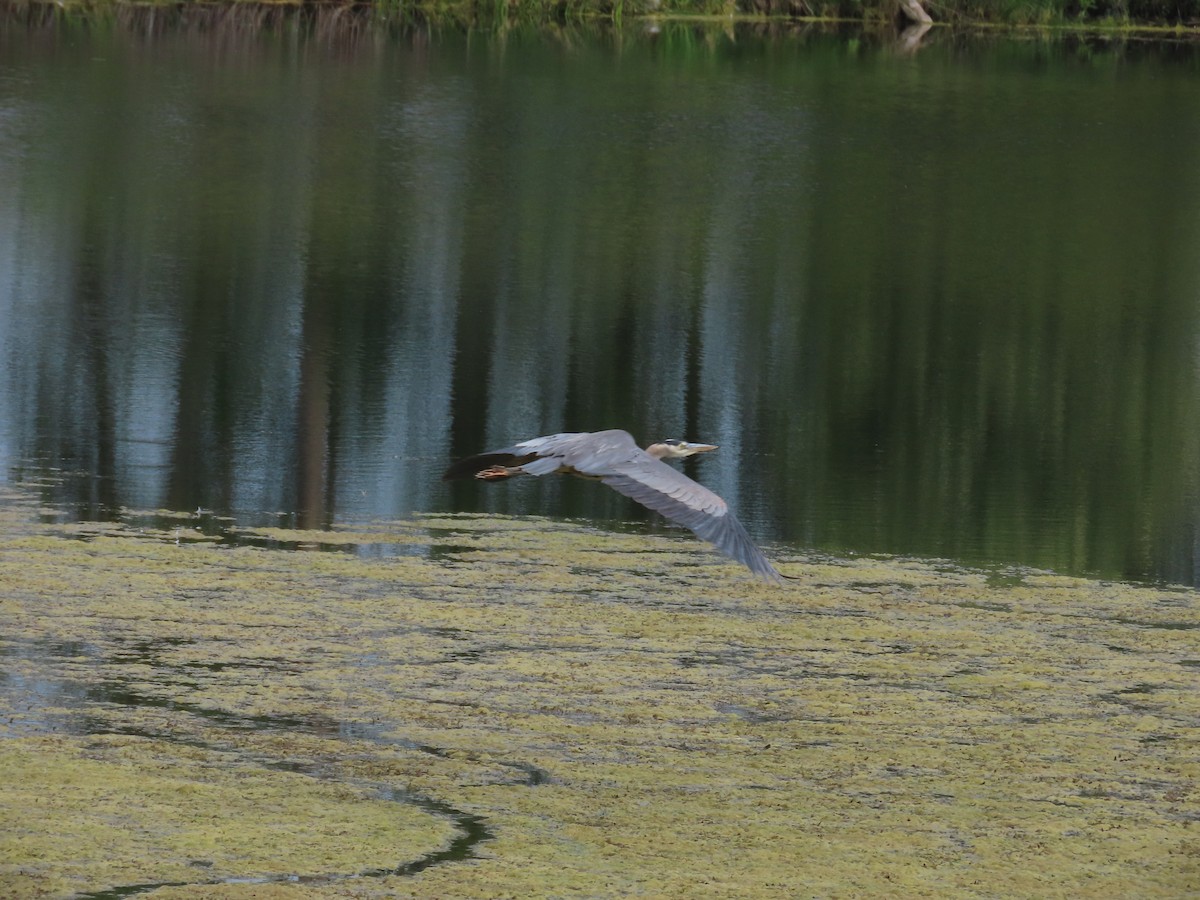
[613, 458]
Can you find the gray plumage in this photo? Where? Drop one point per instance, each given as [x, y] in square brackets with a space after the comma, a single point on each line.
[615, 459]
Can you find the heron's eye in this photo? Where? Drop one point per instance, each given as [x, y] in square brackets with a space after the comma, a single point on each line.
[672, 442]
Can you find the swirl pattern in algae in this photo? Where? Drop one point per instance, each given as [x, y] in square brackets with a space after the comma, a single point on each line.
[491, 707]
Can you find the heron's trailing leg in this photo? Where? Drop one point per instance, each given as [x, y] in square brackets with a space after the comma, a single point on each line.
[494, 473]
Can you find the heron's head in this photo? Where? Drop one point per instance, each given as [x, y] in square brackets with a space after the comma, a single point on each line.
[673, 449]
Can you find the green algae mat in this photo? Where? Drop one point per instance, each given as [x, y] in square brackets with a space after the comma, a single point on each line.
[465, 706]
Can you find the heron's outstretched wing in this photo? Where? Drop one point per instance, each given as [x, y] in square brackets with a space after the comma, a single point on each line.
[656, 485]
[586, 452]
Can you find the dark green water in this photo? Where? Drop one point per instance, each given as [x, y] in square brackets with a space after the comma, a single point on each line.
[945, 303]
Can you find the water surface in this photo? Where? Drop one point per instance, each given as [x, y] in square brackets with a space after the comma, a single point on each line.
[941, 303]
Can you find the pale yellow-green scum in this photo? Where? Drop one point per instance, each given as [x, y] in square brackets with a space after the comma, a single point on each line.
[628, 714]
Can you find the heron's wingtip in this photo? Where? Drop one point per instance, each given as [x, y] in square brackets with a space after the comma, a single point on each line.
[765, 569]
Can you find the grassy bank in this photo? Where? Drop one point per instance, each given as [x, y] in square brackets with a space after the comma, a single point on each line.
[1002, 12]
[488, 707]
[1012, 12]
[1104, 14]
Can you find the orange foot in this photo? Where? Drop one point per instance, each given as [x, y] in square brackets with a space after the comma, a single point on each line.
[493, 472]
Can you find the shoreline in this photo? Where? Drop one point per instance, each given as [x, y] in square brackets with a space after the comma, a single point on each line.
[881, 18]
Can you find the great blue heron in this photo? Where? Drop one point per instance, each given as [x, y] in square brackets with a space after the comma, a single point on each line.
[613, 458]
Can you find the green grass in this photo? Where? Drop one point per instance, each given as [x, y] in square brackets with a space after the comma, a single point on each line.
[1108, 14]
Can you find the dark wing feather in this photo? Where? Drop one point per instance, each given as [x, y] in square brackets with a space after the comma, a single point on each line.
[465, 468]
[656, 485]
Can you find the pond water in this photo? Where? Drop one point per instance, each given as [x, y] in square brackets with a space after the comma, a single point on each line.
[284, 265]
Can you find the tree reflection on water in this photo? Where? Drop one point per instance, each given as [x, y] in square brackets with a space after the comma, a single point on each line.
[941, 304]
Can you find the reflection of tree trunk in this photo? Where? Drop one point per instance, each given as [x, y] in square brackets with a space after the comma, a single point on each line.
[312, 441]
[914, 11]
[909, 40]
[89, 295]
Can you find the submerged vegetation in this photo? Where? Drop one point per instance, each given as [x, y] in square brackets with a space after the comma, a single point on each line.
[479, 706]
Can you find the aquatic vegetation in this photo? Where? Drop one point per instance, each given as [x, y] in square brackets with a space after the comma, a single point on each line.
[542, 708]
[126, 809]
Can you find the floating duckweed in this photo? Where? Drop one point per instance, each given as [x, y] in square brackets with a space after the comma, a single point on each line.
[542, 708]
